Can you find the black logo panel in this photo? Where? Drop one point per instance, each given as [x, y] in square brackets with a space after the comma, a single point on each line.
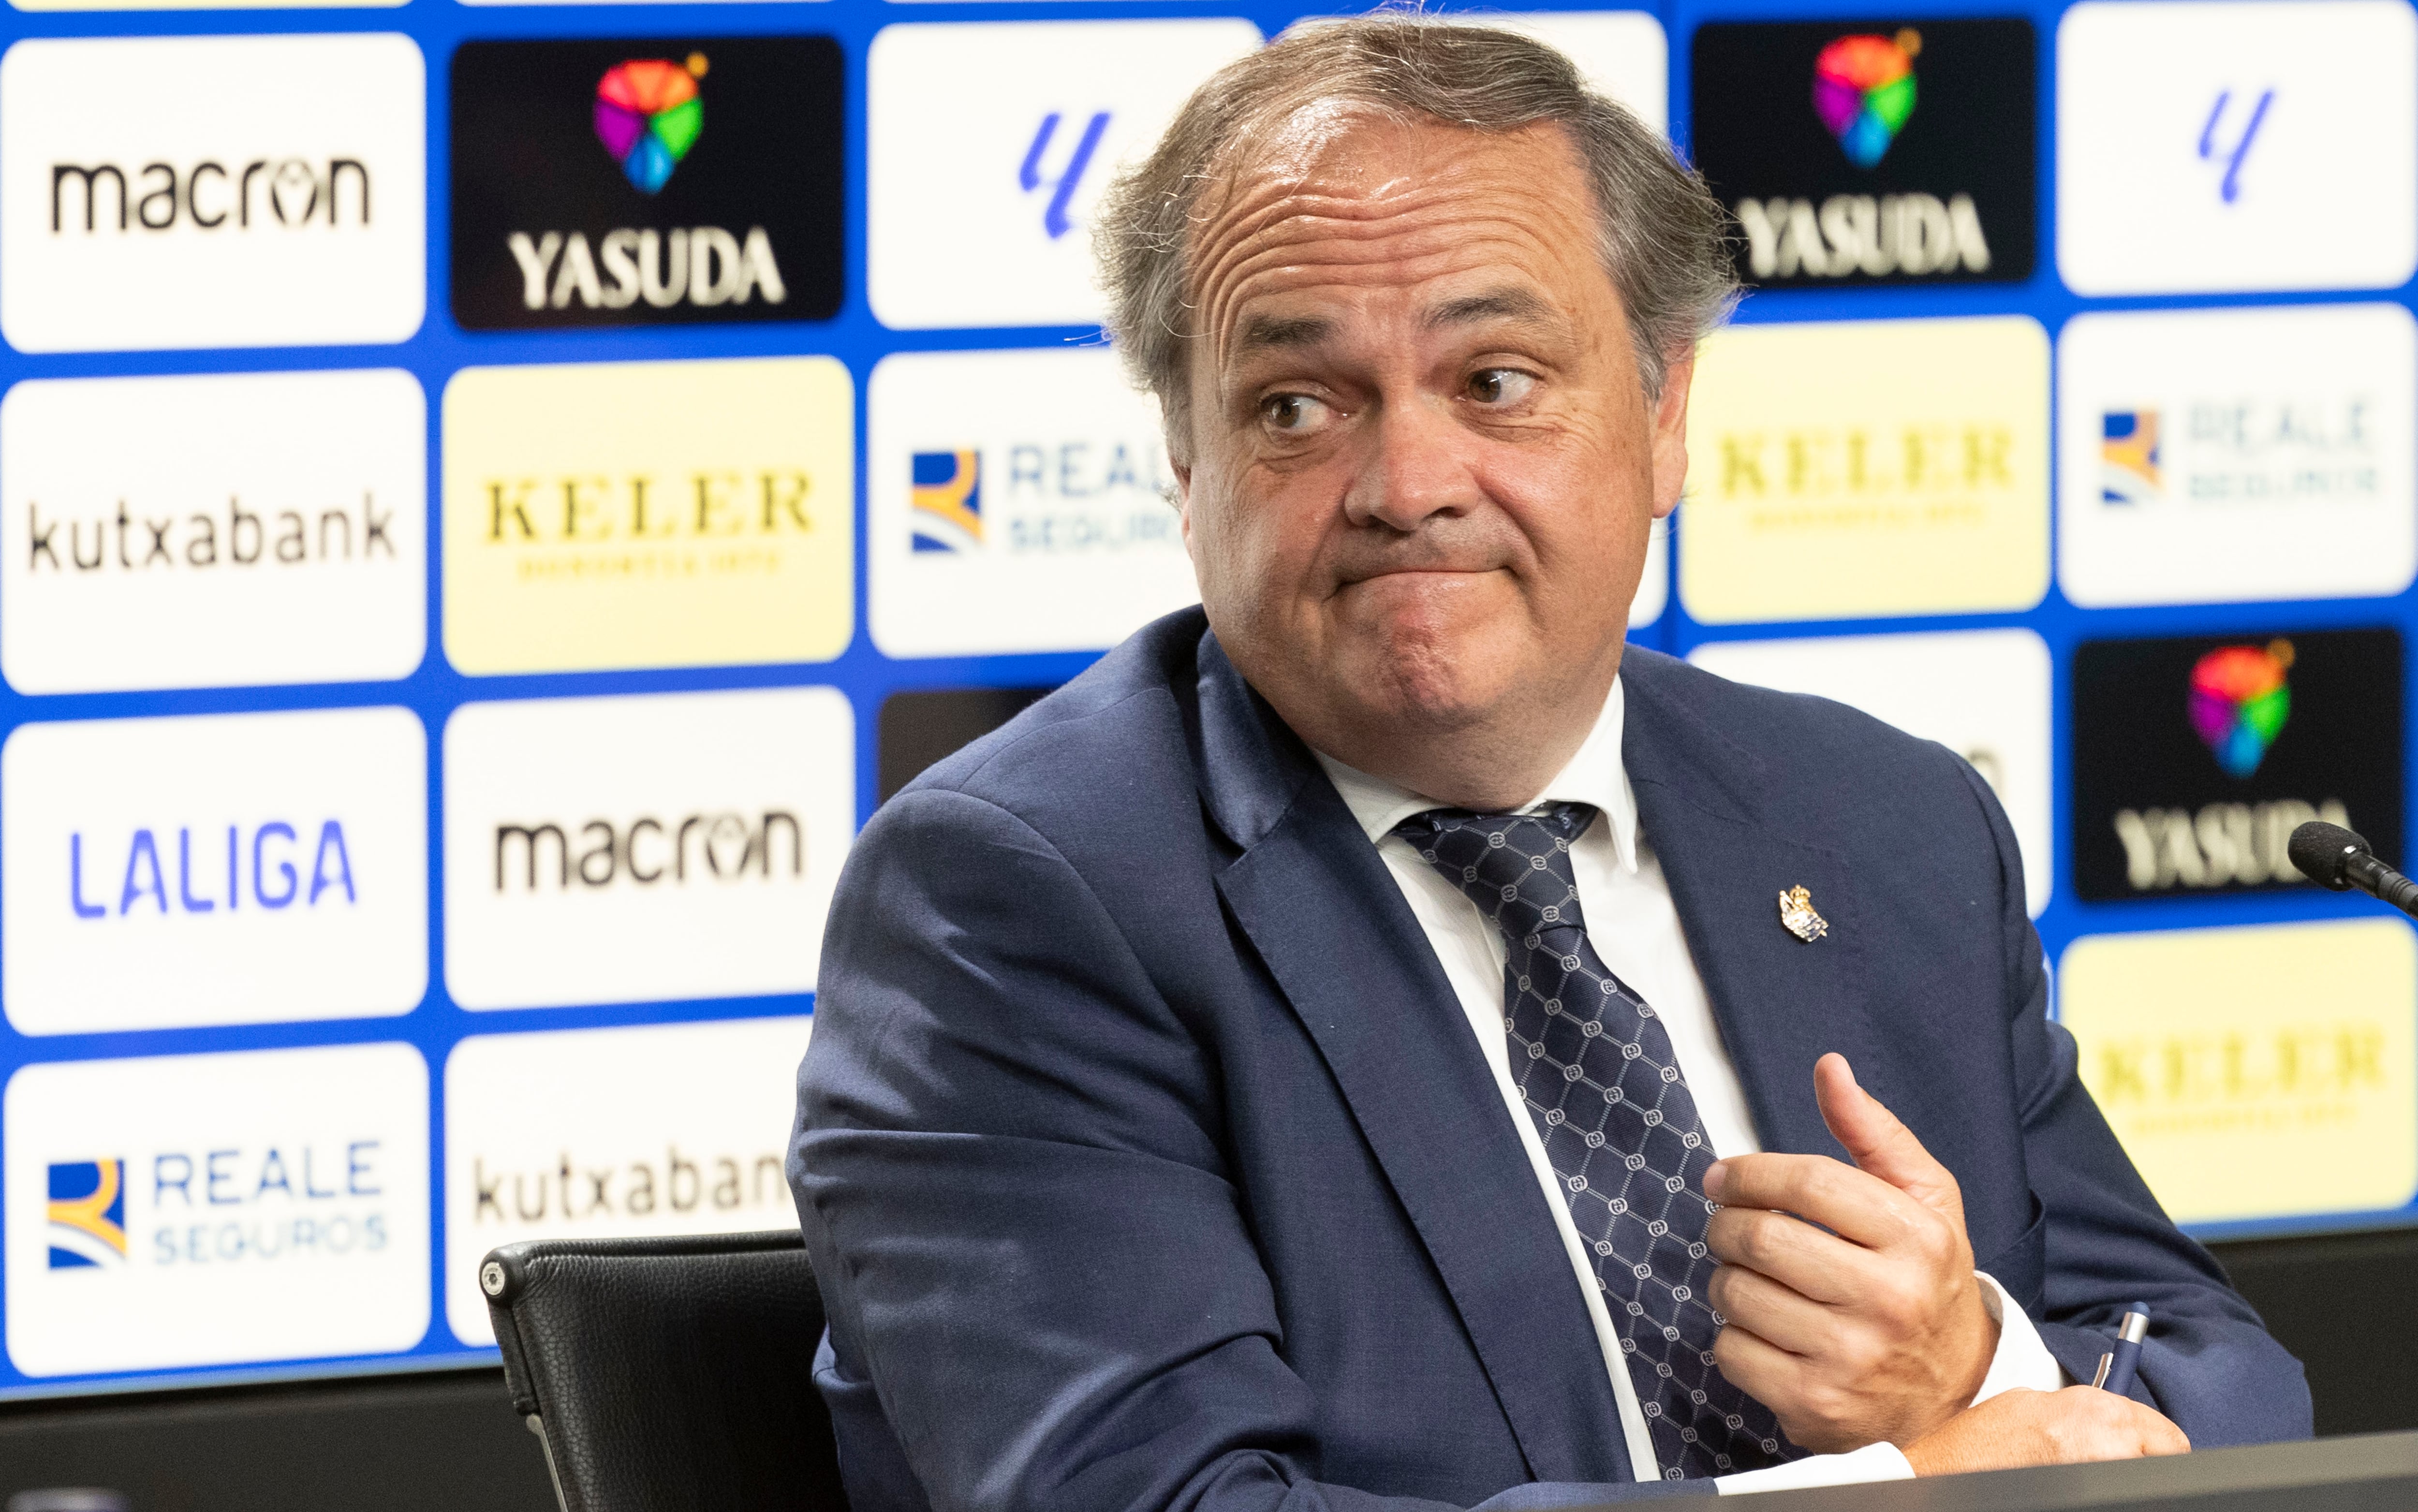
[2195, 758]
[924, 726]
[647, 181]
[1860, 152]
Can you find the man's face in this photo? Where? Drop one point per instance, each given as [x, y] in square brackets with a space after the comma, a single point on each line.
[1422, 464]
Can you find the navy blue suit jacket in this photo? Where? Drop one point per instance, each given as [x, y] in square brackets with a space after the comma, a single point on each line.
[1145, 1160]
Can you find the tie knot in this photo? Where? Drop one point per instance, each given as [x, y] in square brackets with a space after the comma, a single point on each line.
[1516, 867]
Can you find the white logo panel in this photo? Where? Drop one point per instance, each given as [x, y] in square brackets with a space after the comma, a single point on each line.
[231, 528]
[213, 869]
[217, 1209]
[211, 192]
[2229, 455]
[643, 848]
[1983, 694]
[1018, 501]
[2237, 145]
[988, 144]
[610, 1134]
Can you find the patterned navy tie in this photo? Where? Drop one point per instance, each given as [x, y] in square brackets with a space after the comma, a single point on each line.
[1595, 1067]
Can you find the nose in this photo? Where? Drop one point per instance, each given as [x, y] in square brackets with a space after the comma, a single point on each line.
[1414, 470]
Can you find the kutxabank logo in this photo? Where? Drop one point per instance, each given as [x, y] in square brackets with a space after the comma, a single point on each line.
[2239, 701]
[87, 1213]
[588, 191]
[1864, 90]
[648, 115]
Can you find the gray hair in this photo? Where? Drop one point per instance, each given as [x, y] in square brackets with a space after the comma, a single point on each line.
[1660, 233]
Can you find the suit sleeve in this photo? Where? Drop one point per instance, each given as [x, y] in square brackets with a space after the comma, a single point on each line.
[1008, 1169]
[2209, 1362]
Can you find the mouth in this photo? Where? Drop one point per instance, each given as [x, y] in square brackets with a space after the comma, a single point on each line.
[1400, 575]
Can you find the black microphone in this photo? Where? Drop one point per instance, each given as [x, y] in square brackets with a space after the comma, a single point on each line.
[2331, 856]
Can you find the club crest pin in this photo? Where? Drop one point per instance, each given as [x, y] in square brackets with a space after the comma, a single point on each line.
[1797, 913]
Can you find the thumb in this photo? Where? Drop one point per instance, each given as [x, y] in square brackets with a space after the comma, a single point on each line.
[1879, 1143]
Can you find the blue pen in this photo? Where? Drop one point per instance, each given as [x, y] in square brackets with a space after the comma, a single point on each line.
[2117, 1365]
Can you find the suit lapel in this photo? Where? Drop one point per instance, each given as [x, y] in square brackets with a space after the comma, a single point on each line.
[1718, 824]
[1334, 930]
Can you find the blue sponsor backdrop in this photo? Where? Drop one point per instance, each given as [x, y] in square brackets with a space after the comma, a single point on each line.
[441, 347]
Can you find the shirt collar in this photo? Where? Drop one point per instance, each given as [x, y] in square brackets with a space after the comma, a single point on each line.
[1595, 776]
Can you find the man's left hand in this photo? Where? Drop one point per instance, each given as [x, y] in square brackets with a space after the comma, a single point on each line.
[1872, 1331]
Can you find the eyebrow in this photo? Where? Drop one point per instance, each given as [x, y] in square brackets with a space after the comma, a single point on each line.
[1495, 304]
[1267, 331]
[1276, 330]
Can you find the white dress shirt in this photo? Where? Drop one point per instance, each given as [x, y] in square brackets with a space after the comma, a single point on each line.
[1634, 926]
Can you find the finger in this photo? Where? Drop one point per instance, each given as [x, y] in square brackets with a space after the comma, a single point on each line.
[1771, 1312]
[1878, 1142]
[1759, 1367]
[1794, 1254]
[2162, 1437]
[1850, 1203]
[1777, 1378]
[2144, 1430]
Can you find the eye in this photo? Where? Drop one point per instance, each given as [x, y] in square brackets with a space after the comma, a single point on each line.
[1294, 413]
[1501, 386]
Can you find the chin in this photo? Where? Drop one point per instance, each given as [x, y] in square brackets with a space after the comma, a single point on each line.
[1418, 682]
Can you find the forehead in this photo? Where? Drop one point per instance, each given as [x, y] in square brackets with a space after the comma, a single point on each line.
[1337, 200]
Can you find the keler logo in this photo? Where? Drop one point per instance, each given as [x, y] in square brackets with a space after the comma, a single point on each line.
[587, 190]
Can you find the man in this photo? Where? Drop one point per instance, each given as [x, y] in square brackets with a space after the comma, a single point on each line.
[1368, 1043]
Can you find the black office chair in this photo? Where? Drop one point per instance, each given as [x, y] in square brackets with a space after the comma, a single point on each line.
[668, 1375]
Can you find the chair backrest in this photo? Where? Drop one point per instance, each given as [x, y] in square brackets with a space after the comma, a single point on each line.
[665, 1375]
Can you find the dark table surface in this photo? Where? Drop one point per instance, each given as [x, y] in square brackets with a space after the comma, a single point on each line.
[2371, 1472]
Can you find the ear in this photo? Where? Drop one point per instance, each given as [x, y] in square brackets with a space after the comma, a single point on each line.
[1179, 462]
[1671, 434]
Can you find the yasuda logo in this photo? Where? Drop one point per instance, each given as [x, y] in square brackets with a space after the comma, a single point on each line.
[1056, 217]
[587, 190]
[1864, 90]
[2239, 702]
[945, 501]
[2128, 456]
[87, 1213]
[648, 115]
[1864, 185]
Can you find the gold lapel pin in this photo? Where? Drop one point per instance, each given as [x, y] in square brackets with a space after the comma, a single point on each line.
[1797, 913]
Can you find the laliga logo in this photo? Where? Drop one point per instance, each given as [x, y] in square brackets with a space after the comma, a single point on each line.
[1864, 90]
[2238, 703]
[648, 115]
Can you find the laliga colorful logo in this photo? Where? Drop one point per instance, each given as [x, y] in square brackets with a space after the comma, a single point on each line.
[1864, 90]
[2238, 703]
[648, 115]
